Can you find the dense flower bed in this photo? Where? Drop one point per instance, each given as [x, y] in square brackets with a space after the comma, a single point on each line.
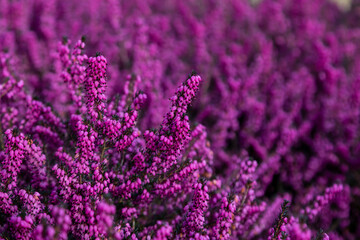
[104, 137]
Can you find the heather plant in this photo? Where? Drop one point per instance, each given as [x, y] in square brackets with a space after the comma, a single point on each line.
[91, 147]
[92, 174]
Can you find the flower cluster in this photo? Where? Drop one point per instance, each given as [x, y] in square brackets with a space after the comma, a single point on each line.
[95, 144]
[102, 178]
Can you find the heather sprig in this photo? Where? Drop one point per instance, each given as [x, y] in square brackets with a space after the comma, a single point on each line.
[279, 230]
